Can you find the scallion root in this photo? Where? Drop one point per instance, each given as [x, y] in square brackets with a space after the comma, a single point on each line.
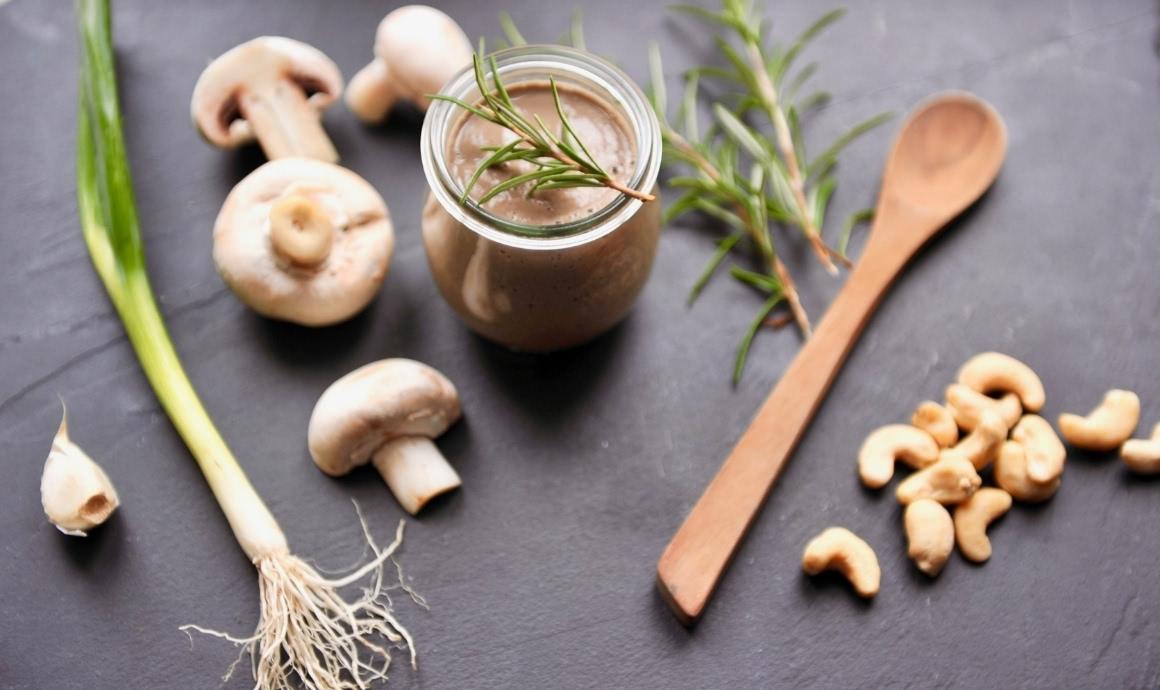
[309, 636]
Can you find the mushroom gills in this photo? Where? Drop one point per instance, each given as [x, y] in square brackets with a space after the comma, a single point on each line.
[415, 471]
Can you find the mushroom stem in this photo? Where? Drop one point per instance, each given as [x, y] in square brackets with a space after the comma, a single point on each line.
[369, 94]
[415, 471]
[285, 123]
[300, 230]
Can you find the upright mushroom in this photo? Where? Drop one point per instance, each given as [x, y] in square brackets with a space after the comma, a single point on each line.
[304, 241]
[270, 88]
[417, 50]
[388, 412]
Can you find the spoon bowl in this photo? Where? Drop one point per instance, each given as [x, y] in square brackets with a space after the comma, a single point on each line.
[947, 154]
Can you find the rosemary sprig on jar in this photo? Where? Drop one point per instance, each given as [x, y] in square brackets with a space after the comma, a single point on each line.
[558, 160]
[754, 177]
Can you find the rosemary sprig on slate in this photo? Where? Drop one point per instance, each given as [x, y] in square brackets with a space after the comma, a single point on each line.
[742, 175]
[557, 160]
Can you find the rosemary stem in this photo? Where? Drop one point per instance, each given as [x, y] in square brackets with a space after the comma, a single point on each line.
[691, 151]
[629, 191]
[789, 289]
[785, 145]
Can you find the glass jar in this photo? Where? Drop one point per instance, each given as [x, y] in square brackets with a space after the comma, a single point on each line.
[542, 287]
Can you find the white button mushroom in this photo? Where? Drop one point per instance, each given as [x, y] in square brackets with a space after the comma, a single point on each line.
[273, 89]
[304, 241]
[388, 412]
[417, 50]
[75, 492]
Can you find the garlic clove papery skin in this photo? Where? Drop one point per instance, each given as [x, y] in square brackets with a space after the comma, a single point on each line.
[75, 492]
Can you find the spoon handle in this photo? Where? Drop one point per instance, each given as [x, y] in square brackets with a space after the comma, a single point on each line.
[698, 554]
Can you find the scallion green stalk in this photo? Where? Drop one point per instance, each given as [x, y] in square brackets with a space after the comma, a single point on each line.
[306, 631]
[109, 220]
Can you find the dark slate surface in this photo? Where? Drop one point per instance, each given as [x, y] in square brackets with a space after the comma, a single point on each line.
[579, 466]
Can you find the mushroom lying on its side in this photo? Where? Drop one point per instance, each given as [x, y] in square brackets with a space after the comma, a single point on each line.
[273, 89]
[304, 241]
[388, 412]
[417, 50]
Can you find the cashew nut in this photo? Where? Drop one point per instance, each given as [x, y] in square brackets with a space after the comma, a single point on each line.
[966, 404]
[1106, 427]
[930, 535]
[837, 548]
[1045, 452]
[893, 442]
[972, 517]
[1143, 456]
[938, 421]
[982, 445]
[1011, 476]
[994, 372]
[949, 481]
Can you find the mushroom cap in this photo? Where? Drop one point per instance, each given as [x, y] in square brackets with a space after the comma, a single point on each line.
[214, 106]
[428, 42]
[375, 403]
[334, 290]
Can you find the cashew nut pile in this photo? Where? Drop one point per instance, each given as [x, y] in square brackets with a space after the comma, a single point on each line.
[988, 421]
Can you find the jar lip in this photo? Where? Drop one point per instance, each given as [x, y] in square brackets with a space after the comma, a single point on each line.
[544, 60]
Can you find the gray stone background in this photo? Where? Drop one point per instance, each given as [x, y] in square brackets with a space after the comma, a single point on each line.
[579, 466]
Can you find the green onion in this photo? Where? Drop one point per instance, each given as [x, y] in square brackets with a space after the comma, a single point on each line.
[307, 633]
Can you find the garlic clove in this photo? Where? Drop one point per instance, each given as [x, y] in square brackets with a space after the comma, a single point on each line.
[75, 492]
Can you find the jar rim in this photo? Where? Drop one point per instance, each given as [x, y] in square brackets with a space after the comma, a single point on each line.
[543, 61]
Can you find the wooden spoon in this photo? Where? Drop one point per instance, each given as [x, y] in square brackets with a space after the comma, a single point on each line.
[947, 154]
